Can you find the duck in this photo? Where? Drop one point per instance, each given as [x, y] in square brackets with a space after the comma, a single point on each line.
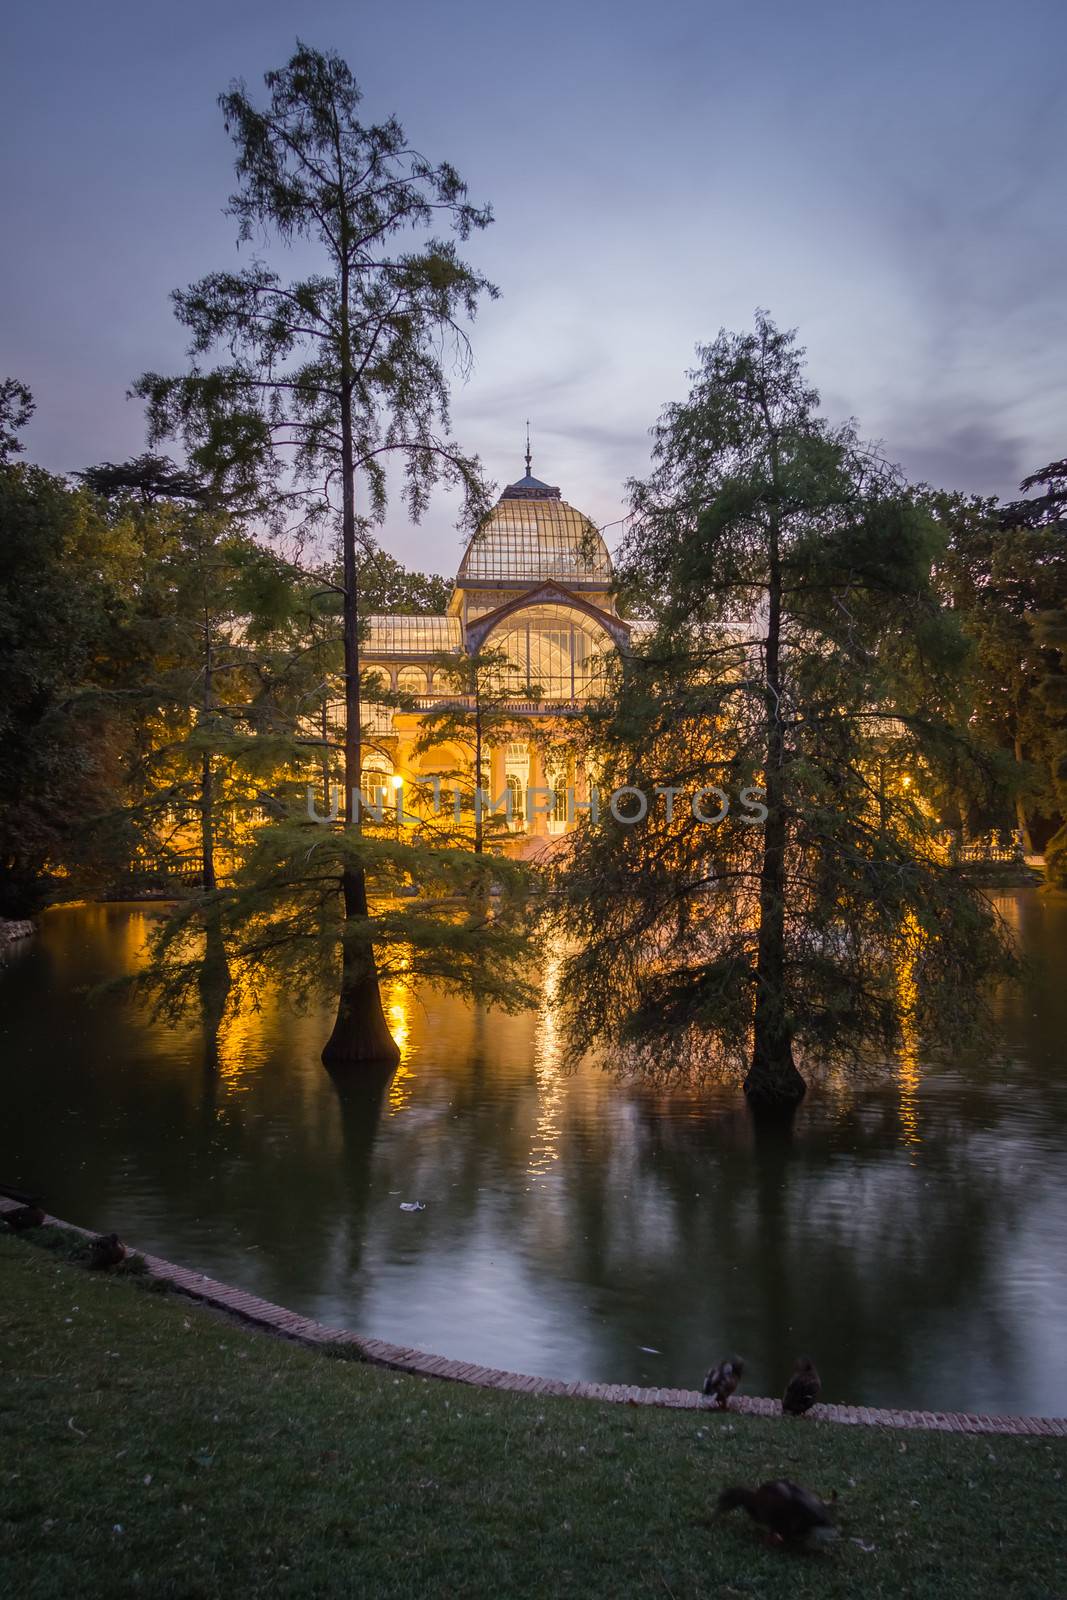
[30, 1215]
[722, 1380]
[107, 1251]
[790, 1512]
[802, 1390]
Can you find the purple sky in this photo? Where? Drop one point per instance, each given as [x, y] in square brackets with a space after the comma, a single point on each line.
[888, 179]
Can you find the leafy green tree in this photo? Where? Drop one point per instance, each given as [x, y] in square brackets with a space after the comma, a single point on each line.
[1041, 520]
[799, 663]
[206, 637]
[1050, 630]
[1002, 567]
[324, 380]
[16, 408]
[388, 587]
[63, 579]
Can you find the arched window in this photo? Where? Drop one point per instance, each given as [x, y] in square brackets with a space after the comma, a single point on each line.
[559, 776]
[374, 782]
[560, 652]
[517, 778]
[411, 680]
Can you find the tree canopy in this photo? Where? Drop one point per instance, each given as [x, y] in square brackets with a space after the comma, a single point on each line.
[323, 380]
[801, 677]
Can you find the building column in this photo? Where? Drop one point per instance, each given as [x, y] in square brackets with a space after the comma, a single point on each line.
[538, 825]
[497, 776]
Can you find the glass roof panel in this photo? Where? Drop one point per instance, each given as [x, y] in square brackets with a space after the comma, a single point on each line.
[411, 636]
[530, 539]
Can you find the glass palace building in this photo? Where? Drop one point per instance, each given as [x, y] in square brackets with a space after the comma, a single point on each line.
[534, 587]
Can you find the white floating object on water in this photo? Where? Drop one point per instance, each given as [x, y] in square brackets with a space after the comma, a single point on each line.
[647, 1348]
[412, 1205]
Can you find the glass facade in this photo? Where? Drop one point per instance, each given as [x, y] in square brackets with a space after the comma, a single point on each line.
[542, 570]
[555, 649]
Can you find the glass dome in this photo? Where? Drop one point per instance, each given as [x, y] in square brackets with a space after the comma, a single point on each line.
[532, 534]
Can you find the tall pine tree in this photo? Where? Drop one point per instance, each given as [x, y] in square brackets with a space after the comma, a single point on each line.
[782, 894]
[325, 379]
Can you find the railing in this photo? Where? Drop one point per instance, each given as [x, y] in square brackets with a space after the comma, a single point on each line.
[378, 719]
[461, 702]
[162, 872]
[1004, 844]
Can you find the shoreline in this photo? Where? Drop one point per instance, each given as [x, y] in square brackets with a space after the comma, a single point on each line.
[282, 1323]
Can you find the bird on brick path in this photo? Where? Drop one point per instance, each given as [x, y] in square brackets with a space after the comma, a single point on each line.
[30, 1213]
[107, 1251]
[802, 1390]
[722, 1380]
[790, 1513]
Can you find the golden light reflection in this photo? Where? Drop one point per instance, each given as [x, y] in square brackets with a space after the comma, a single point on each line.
[239, 1035]
[235, 1038]
[909, 1073]
[398, 1015]
[544, 1147]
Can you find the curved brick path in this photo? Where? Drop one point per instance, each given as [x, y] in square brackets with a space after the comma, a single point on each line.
[275, 1319]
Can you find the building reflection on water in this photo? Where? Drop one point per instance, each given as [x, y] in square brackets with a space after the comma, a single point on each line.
[908, 1230]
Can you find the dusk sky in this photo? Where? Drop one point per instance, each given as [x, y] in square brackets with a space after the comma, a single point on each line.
[889, 179]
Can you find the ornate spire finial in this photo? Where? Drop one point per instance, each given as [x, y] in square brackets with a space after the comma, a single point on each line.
[528, 456]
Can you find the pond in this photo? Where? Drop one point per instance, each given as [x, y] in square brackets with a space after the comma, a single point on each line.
[909, 1234]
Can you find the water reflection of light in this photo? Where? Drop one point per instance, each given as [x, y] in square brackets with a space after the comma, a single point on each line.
[544, 1148]
[135, 935]
[398, 1014]
[908, 1070]
[239, 1032]
[234, 1039]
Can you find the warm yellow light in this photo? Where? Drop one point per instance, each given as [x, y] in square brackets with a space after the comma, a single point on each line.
[906, 781]
[396, 780]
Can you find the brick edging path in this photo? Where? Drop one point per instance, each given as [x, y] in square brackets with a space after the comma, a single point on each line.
[274, 1319]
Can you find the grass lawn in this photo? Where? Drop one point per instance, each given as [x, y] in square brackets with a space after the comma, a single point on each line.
[150, 1448]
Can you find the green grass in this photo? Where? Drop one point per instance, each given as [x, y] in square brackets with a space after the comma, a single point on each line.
[150, 1448]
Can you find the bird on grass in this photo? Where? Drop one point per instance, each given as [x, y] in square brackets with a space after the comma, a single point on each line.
[722, 1380]
[107, 1251]
[789, 1513]
[802, 1390]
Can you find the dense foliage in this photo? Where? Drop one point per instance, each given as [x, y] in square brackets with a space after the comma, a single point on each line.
[321, 382]
[878, 669]
[800, 658]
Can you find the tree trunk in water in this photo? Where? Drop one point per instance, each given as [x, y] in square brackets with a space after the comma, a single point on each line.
[773, 1083]
[207, 796]
[214, 986]
[360, 1034]
[1020, 807]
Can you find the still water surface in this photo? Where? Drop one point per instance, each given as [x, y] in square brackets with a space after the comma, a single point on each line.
[909, 1234]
